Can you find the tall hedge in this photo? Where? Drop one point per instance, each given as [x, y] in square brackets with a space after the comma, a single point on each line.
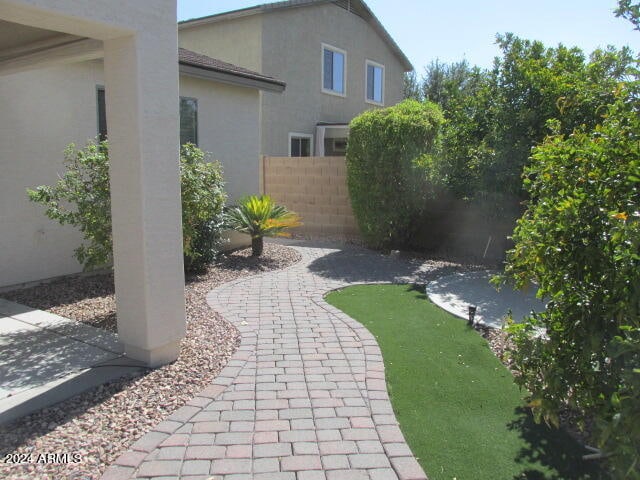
[385, 156]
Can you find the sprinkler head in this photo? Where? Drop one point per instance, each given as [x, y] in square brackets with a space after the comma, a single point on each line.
[472, 314]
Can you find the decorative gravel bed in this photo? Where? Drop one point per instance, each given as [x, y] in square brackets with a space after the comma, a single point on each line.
[102, 423]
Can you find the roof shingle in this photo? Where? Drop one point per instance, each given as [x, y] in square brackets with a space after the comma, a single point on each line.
[188, 57]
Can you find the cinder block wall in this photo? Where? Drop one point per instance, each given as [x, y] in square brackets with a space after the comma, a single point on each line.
[316, 189]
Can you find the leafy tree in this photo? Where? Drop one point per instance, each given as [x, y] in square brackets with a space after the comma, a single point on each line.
[533, 84]
[445, 84]
[260, 217]
[630, 11]
[495, 117]
[385, 174]
[579, 241]
[411, 86]
[82, 198]
[463, 93]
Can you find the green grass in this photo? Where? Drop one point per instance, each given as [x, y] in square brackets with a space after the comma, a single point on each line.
[457, 405]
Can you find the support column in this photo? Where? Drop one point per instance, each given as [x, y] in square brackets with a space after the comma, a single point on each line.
[141, 80]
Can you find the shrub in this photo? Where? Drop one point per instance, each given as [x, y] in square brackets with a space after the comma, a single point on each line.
[579, 240]
[203, 200]
[260, 217]
[82, 198]
[386, 155]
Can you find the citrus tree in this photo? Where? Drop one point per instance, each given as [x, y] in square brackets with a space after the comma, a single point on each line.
[579, 241]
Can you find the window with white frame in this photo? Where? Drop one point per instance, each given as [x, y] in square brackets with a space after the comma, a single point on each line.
[334, 70]
[300, 144]
[375, 82]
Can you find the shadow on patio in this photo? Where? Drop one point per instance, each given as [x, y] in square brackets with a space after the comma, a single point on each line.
[45, 358]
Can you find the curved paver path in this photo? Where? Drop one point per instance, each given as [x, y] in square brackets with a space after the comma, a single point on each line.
[304, 396]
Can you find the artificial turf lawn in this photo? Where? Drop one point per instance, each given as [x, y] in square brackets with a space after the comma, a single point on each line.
[457, 405]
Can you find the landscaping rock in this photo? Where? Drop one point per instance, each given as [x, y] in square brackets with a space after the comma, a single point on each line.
[106, 421]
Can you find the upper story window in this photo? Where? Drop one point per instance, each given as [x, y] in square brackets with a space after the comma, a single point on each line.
[334, 70]
[375, 83]
[188, 120]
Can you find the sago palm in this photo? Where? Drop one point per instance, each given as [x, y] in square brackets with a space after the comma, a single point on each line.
[260, 217]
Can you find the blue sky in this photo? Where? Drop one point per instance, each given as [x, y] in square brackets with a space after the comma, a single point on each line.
[451, 31]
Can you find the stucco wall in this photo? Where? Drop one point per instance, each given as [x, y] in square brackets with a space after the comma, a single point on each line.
[316, 189]
[229, 128]
[237, 41]
[292, 43]
[42, 111]
[287, 44]
[94, 19]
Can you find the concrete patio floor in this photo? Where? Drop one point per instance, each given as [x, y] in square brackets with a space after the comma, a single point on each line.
[45, 358]
[456, 292]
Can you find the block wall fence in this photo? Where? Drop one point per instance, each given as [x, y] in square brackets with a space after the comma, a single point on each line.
[313, 187]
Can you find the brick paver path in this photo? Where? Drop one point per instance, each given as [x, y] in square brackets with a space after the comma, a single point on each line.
[303, 398]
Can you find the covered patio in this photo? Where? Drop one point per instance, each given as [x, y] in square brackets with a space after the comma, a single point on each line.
[139, 47]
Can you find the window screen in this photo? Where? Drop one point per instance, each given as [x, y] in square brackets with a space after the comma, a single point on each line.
[374, 83]
[333, 70]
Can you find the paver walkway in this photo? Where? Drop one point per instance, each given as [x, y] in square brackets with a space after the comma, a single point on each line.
[303, 398]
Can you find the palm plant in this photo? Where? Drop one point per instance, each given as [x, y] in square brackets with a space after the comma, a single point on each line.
[260, 217]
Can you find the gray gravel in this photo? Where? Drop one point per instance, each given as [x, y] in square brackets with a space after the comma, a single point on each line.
[104, 422]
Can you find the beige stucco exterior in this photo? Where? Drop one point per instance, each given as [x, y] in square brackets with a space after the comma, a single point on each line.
[141, 77]
[38, 118]
[48, 99]
[237, 41]
[229, 128]
[42, 111]
[290, 45]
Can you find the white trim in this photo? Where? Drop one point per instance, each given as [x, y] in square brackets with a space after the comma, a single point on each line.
[326, 46]
[320, 131]
[293, 135]
[366, 74]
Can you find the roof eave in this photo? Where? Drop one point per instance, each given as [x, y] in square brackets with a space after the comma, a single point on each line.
[236, 79]
[379, 28]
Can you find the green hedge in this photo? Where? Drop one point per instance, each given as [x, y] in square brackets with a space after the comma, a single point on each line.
[386, 154]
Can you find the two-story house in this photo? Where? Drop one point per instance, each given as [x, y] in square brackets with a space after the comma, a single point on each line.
[278, 79]
[334, 55]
